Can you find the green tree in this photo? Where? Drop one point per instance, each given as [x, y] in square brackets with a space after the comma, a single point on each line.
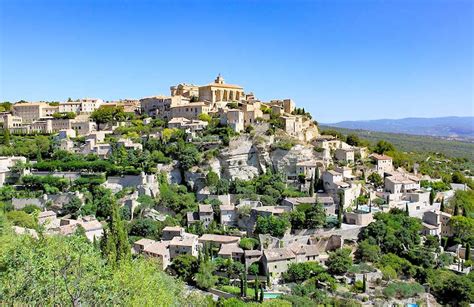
[383, 146]
[72, 207]
[212, 179]
[6, 137]
[299, 272]
[22, 219]
[353, 140]
[185, 266]
[463, 228]
[376, 179]
[59, 270]
[248, 243]
[315, 216]
[275, 226]
[441, 206]
[367, 252]
[145, 227]
[432, 196]
[340, 261]
[114, 244]
[297, 219]
[256, 285]
[205, 277]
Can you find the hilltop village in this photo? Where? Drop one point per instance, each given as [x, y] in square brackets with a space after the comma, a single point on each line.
[240, 198]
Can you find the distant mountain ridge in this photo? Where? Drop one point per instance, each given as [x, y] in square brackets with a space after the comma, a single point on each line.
[446, 127]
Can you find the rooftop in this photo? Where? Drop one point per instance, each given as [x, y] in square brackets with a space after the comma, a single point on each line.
[278, 254]
[205, 209]
[380, 157]
[219, 238]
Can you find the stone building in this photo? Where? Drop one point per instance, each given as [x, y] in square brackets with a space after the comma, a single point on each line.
[190, 110]
[161, 105]
[30, 112]
[185, 90]
[220, 91]
[383, 163]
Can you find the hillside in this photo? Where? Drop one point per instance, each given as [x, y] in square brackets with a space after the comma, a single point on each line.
[448, 127]
[415, 143]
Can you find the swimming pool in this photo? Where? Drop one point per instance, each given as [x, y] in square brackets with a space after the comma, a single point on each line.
[271, 295]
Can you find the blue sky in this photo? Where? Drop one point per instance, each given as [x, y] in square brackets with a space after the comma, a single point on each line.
[342, 60]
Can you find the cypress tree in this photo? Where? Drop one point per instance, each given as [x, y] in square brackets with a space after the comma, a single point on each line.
[242, 285]
[245, 284]
[364, 283]
[432, 197]
[441, 206]
[406, 210]
[467, 254]
[115, 246]
[256, 284]
[261, 293]
[6, 137]
[456, 209]
[311, 187]
[340, 210]
[316, 181]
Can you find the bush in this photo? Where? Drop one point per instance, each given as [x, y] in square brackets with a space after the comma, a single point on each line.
[22, 219]
[340, 261]
[248, 243]
[403, 290]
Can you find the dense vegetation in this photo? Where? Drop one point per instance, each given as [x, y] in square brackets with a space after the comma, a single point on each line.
[56, 270]
[415, 143]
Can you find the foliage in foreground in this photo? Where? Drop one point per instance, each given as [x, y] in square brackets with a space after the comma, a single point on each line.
[54, 270]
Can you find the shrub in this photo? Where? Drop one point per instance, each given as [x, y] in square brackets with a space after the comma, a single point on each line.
[402, 290]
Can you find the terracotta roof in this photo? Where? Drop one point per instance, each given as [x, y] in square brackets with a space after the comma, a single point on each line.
[272, 209]
[227, 207]
[278, 254]
[144, 242]
[223, 85]
[222, 239]
[157, 248]
[173, 228]
[186, 240]
[253, 252]
[229, 249]
[380, 157]
[205, 209]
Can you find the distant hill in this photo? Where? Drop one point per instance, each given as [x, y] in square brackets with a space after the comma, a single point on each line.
[446, 127]
[415, 143]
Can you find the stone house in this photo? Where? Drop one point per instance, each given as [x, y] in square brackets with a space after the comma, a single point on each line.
[228, 215]
[276, 261]
[186, 244]
[345, 155]
[218, 240]
[169, 232]
[360, 218]
[252, 256]
[234, 118]
[206, 214]
[399, 183]
[438, 219]
[383, 163]
[154, 249]
[190, 110]
[6, 163]
[231, 251]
